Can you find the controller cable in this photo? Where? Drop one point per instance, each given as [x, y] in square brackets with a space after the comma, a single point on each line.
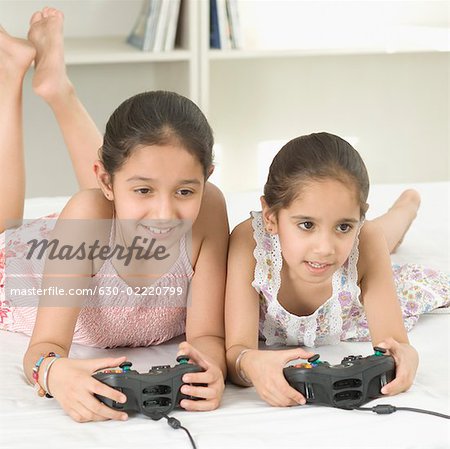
[175, 424]
[386, 409]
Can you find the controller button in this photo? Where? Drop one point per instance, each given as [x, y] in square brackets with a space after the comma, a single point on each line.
[182, 359]
[303, 365]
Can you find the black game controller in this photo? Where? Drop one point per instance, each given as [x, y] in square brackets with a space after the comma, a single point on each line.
[355, 381]
[154, 394]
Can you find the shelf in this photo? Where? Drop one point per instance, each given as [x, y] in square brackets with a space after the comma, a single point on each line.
[352, 42]
[114, 49]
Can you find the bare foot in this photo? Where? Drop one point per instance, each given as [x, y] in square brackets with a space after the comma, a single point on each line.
[407, 204]
[50, 79]
[16, 56]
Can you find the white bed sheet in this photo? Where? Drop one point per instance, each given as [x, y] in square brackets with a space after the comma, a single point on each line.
[244, 420]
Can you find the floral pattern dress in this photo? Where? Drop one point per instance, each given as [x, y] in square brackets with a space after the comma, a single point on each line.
[341, 317]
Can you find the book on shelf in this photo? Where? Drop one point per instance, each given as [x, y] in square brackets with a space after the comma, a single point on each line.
[214, 34]
[234, 24]
[155, 28]
[172, 26]
[225, 28]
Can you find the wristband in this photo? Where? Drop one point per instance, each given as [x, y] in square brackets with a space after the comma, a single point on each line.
[240, 373]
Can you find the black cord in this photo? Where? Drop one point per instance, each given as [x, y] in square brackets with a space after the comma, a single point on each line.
[386, 409]
[175, 424]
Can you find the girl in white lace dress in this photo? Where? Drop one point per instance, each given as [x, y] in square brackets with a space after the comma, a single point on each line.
[308, 270]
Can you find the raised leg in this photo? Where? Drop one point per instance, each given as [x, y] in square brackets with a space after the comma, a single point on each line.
[50, 81]
[397, 220]
[16, 56]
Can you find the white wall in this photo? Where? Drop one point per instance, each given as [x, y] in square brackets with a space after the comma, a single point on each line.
[395, 107]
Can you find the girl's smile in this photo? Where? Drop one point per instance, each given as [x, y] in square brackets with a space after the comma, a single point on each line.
[317, 268]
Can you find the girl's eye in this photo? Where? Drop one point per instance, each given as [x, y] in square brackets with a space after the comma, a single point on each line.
[306, 225]
[143, 191]
[344, 228]
[185, 192]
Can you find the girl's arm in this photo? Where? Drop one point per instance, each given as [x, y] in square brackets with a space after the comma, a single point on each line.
[204, 320]
[378, 292]
[382, 307]
[263, 369]
[241, 299]
[56, 316]
[70, 381]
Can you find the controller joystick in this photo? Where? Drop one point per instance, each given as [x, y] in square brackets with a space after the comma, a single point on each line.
[126, 366]
[182, 359]
[379, 350]
[154, 394]
[355, 381]
[314, 359]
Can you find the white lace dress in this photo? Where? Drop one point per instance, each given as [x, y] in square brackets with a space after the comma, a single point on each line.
[342, 316]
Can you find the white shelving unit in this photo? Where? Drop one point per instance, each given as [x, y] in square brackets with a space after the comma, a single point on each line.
[114, 49]
[357, 41]
[95, 35]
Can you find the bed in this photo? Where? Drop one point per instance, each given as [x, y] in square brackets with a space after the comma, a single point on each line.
[244, 420]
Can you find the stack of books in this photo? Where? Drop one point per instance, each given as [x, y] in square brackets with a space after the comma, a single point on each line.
[224, 25]
[156, 26]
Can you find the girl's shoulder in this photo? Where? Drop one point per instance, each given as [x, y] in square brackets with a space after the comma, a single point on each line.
[213, 212]
[242, 236]
[86, 220]
[372, 247]
[88, 204]
[244, 229]
[213, 199]
[210, 230]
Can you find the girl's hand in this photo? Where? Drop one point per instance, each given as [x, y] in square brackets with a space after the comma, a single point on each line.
[406, 362]
[265, 370]
[212, 376]
[71, 383]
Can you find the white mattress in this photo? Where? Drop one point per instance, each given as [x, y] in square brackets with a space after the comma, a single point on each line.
[244, 420]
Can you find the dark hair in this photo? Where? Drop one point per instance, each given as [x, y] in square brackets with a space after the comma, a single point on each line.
[314, 157]
[156, 118]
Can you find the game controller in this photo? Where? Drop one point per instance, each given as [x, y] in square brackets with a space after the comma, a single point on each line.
[155, 393]
[355, 381]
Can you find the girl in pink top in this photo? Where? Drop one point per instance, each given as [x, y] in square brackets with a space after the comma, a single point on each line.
[147, 182]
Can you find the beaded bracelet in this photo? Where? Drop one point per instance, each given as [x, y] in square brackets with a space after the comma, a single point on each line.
[35, 374]
[239, 372]
[55, 357]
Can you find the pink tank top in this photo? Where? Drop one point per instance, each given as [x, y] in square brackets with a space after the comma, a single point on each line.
[129, 320]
